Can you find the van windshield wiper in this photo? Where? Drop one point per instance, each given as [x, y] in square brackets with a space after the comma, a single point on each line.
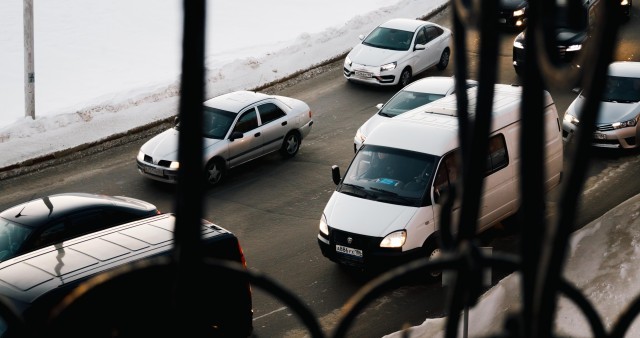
[355, 190]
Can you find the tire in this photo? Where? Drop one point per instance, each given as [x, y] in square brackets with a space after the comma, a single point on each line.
[432, 250]
[291, 145]
[405, 78]
[444, 59]
[214, 172]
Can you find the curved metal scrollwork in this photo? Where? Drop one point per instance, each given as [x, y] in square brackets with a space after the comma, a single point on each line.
[542, 254]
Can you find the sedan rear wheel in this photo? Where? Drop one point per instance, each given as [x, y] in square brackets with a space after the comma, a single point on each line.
[291, 145]
[214, 172]
[444, 59]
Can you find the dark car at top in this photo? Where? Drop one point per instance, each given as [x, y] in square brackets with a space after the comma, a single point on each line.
[512, 14]
[50, 219]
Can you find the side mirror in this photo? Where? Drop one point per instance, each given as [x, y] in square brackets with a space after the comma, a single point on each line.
[361, 36]
[176, 120]
[379, 105]
[419, 47]
[235, 135]
[335, 174]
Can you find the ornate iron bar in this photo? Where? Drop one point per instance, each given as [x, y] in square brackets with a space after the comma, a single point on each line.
[542, 254]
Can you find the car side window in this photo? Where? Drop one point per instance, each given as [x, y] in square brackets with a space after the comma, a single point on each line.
[421, 37]
[432, 33]
[52, 234]
[270, 112]
[497, 156]
[248, 121]
[447, 175]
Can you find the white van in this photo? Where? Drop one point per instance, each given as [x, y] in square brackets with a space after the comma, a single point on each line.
[385, 209]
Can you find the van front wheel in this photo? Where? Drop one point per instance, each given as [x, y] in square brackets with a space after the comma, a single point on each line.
[432, 251]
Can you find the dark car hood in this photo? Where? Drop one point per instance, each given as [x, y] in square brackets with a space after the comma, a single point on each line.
[564, 36]
[512, 4]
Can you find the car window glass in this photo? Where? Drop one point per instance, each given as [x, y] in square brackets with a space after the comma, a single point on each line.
[447, 175]
[12, 235]
[52, 234]
[432, 33]
[497, 154]
[89, 221]
[389, 38]
[421, 37]
[406, 100]
[248, 121]
[216, 122]
[270, 112]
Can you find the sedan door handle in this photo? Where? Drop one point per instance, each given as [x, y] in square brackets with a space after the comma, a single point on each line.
[284, 123]
[256, 134]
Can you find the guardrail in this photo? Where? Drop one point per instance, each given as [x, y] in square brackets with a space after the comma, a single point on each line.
[541, 257]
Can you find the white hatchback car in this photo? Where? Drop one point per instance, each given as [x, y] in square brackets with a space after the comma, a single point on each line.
[237, 127]
[415, 94]
[617, 120]
[397, 50]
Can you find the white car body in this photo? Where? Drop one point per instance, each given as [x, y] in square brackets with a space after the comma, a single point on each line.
[617, 120]
[415, 94]
[236, 129]
[378, 60]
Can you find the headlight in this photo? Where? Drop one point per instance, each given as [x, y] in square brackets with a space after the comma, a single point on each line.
[174, 165]
[625, 124]
[394, 239]
[388, 67]
[347, 61]
[518, 12]
[140, 156]
[574, 48]
[324, 228]
[518, 44]
[624, 2]
[571, 119]
[360, 136]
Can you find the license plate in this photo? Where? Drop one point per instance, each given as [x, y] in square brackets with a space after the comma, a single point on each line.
[599, 136]
[153, 171]
[349, 251]
[363, 74]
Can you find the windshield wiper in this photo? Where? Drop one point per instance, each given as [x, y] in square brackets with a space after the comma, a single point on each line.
[354, 188]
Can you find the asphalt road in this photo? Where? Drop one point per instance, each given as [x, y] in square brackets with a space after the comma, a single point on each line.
[274, 205]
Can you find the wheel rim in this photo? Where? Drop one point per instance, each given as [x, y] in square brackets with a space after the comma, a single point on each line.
[435, 254]
[213, 173]
[444, 59]
[404, 78]
[292, 144]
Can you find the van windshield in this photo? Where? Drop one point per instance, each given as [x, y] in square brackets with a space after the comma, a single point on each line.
[390, 175]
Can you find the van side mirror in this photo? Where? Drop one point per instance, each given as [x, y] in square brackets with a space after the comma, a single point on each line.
[176, 120]
[335, 174]
[235, 135]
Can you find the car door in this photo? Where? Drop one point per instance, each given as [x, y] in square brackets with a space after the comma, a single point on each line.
[274, 125]
[249, 146]
[422, 58]
[436, 43]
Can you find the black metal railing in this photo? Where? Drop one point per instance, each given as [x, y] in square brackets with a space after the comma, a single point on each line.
[542, 255]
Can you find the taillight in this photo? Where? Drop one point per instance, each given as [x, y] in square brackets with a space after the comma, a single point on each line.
[310, 114]
[242, 259]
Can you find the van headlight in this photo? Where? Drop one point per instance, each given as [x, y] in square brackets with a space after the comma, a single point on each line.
[324, 228]
[518, 12]
[394, 239]
[571, 119]
[388, 67]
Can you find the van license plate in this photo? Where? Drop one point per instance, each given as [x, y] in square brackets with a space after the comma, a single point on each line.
[363, 74]
[349, 251]
[599, 136]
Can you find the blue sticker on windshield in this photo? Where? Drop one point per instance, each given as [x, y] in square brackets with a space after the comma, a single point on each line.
[388, 181]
